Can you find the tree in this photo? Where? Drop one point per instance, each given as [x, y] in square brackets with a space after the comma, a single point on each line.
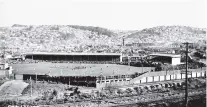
[136, 74]
[119, 91]
[129, 91]
[103, 94]
[137, 90]
[54, 95]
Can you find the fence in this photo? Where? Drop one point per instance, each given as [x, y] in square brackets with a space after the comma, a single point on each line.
[170, 77]
[147, 79]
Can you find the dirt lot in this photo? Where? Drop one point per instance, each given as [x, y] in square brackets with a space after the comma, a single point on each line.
[13, 87]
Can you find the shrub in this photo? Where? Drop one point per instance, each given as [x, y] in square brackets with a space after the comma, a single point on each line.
[120, 91]
[137, 89]
[85, 95]
[129, 91]
[103, 94]
[54, 93]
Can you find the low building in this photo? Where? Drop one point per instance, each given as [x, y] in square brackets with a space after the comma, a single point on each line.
[5, 69]
[4, 66]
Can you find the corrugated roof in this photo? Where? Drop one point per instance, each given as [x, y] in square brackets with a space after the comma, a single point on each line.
[166, 55]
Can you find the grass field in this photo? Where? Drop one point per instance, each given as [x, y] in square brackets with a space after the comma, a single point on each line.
[68, 69]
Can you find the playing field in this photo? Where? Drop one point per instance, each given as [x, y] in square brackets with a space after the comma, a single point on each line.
[68, 69]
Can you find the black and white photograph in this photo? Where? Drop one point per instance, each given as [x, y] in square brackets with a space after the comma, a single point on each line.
[103, 53]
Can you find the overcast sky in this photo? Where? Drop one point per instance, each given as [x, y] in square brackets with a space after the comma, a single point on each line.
[116, 14]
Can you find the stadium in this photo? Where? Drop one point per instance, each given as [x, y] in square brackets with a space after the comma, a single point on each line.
[77, 74]
[90, 69]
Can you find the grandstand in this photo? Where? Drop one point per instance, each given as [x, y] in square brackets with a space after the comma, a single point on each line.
[75, 57]
[167, 58]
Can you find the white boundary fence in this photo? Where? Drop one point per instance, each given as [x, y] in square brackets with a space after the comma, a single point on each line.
[148, 79]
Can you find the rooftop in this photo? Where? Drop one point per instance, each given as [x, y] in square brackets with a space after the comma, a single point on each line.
[166, 55]
[65, 53]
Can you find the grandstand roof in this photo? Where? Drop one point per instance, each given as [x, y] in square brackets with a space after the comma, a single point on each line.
[65, 53]
[166, 55]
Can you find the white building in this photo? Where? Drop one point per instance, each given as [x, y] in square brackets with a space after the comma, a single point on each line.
[167, 58]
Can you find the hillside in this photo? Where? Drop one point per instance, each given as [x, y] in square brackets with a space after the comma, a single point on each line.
[24, 38]
[166, 35]
[57, 38]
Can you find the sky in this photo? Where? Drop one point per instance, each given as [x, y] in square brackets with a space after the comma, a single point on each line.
[112, 14]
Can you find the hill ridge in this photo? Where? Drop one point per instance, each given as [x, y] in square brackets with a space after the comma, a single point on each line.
[75, 38]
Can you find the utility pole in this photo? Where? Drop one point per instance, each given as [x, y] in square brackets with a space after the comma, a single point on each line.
[36, 77]
[142, 64]
[186, 74]
[123, 42]
[129, 60]
[4, 52]
[31, 87]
